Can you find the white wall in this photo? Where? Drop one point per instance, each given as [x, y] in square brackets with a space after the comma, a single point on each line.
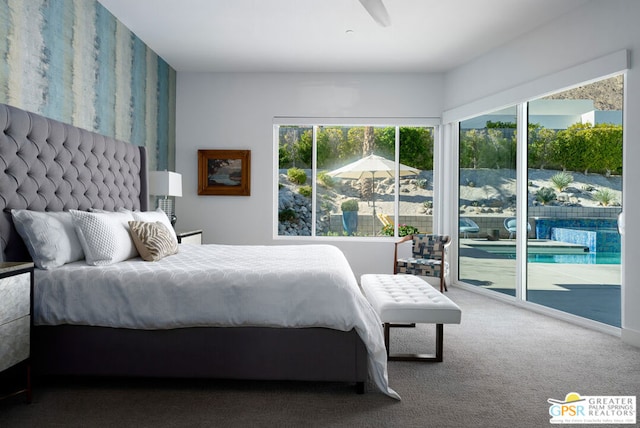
[236, 111]
[595, 31]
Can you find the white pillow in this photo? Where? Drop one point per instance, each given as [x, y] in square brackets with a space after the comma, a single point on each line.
[153, 216]
[49, 236]
[105, 237]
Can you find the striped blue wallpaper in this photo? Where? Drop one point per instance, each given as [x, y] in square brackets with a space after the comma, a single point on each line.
[71, 60]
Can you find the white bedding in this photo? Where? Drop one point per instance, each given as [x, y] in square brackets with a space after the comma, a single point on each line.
[217, 285]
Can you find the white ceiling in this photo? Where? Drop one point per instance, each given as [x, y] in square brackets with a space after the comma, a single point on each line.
[311, 35]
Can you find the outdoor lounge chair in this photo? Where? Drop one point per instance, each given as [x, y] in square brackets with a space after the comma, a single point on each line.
[385, 219]
[467, 226]
[427, 257]
[510, 224]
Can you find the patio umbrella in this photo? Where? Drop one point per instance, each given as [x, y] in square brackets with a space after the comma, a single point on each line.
[372, 166]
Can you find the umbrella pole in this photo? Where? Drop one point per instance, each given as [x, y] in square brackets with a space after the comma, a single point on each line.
[373, 199]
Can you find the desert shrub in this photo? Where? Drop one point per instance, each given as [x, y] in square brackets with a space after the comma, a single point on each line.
[349, 205]
[326, 179]
[326, 206]
[561, 180]
[545, 195]
[297, 175]
[287, 214]
[605, 197]
[421, 183]
[305, 191]
[326, 202]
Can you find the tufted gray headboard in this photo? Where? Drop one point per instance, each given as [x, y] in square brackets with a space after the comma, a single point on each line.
[46, 165]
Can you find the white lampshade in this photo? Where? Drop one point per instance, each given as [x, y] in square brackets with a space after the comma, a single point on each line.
[165, 183]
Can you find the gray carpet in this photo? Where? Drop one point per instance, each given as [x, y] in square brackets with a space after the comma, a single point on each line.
[500, 367]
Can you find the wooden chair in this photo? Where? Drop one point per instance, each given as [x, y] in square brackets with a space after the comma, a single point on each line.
[428, 257]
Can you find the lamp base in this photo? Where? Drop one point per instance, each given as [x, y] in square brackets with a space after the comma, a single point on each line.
[166, 205]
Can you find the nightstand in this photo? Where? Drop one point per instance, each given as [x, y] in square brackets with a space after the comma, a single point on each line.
[16, 307]
[191, 237]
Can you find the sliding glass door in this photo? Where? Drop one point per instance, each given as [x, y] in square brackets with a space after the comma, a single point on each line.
[549, 237]
[575, 196]
[487, 201]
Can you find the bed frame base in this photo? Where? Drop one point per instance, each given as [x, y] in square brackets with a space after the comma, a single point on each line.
[258, 353]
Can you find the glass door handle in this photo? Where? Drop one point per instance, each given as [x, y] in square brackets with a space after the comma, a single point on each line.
[621, 223]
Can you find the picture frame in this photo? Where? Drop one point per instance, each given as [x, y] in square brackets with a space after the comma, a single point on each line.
[224, 172]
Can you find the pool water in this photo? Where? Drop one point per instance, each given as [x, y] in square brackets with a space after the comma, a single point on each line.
[585, 258]
[554, 254]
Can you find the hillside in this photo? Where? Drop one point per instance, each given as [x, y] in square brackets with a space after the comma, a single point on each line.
[607, 94]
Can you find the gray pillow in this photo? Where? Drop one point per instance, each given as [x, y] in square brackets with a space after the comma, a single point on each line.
[49, 236]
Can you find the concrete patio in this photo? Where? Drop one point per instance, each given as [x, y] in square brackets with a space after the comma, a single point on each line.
[588, 290]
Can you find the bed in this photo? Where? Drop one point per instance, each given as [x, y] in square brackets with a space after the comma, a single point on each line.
[128, 325]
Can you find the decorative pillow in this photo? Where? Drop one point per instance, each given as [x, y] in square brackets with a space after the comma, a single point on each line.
[153, 216]
[153, 240]
[49, 237]
[104, 237]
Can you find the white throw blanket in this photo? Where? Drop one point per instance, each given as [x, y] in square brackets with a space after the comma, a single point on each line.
[217, 285]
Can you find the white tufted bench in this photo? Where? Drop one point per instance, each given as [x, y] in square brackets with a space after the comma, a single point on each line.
[409, 299]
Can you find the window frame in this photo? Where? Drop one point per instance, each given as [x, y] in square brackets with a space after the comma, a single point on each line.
[315, 123]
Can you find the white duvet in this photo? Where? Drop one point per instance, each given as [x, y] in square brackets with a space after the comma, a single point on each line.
[217, 285]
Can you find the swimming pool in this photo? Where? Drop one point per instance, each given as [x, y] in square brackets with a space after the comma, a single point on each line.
[550, 252]
[599, 235]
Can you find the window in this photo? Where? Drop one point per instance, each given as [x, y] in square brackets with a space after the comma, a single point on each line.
[361, 180]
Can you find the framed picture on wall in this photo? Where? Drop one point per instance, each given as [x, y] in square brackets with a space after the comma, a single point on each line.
[224, 172]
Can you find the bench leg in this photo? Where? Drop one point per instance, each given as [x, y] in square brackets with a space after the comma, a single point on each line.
[443, 284]
[416, 357]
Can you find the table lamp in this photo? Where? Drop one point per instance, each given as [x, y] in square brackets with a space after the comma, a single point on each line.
[166, 184]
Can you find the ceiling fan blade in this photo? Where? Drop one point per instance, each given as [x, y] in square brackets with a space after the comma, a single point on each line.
[377, 11]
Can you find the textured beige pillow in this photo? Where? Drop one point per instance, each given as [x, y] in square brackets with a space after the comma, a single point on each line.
[153, 240]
